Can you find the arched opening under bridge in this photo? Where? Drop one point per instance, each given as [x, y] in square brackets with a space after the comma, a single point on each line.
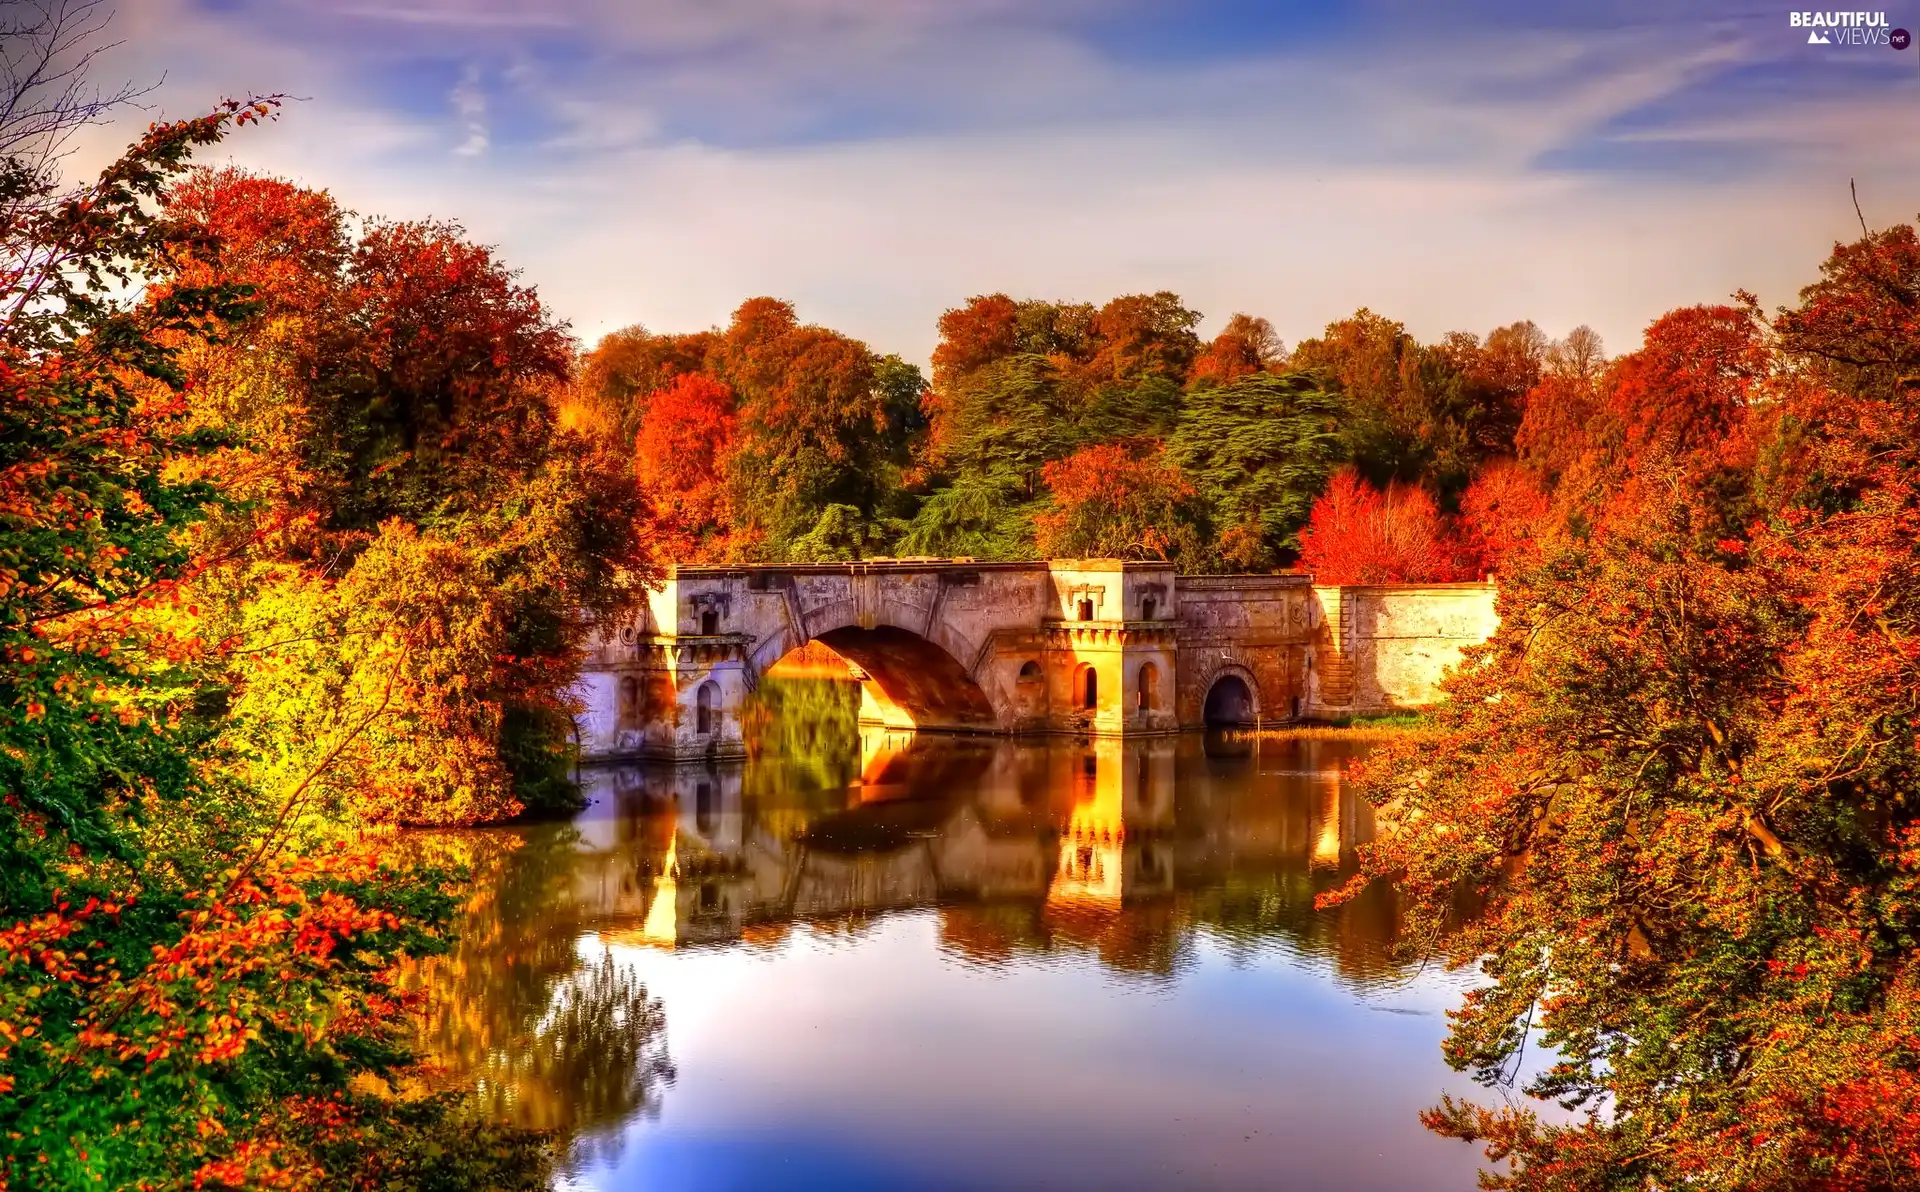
[1230, 703]
[907, 682]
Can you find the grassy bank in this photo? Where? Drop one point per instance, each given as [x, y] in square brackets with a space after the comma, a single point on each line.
[1366, 726]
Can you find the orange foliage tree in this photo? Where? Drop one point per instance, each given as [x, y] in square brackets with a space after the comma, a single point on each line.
[1245, 345]
[391, 409]
[1680, 782]
[1116, 501]
[615, 380]
[812, 421]
[1358, 534]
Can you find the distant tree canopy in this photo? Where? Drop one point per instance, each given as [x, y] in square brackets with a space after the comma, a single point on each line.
[834, 448]
[831, 447]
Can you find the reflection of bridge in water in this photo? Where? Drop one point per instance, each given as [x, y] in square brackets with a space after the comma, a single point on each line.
[1018, 842]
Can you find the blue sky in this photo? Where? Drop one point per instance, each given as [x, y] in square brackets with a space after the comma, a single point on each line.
[1454, 166]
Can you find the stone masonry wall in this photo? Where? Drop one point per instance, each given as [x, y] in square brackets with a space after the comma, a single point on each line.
[1405, 637]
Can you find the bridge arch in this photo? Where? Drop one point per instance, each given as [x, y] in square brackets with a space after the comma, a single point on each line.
[909, 680]
[1231, 698]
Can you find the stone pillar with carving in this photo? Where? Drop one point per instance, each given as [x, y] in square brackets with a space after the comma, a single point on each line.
[1112, 648]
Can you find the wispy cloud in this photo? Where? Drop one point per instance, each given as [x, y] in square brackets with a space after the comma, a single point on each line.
[470, 104]
[457, 16]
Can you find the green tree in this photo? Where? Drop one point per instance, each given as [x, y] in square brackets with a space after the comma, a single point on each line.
[1259, 449]
[976, 517]
[1007, 420]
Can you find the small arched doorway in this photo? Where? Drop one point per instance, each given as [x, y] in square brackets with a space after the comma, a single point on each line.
[1148, 607]
[1030, 689]
[705, 715]
[709, 623]
[1149, 688]
[1086, 610]
[1086, 688]
[1230, 703]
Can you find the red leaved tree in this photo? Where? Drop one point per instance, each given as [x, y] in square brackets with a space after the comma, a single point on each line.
[1684, 395]
[1358, 534]
[1502, 515]
[681, 456]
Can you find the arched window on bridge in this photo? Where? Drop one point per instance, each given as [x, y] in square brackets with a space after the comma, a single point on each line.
[705, 715]
[1030, 689]
[629, 711]
[1086, 610]
[1149, 687]
[1089, 688]
[709, 622]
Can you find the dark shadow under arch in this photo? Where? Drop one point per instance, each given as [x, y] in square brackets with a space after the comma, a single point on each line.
[1230, 703]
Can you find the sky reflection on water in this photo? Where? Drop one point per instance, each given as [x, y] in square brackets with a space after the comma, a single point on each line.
[955, 965]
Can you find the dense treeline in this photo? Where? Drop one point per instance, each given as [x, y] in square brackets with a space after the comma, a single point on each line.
[1065, 429]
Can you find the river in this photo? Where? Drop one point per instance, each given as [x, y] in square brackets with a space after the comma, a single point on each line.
[861, 961]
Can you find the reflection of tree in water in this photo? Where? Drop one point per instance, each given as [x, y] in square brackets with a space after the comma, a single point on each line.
[551, 1041]
[1248, 908]
[810, 726]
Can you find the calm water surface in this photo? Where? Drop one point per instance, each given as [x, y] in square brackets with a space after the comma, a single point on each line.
[882, 962]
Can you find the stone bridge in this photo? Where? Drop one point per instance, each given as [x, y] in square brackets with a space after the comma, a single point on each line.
[1093, 647]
